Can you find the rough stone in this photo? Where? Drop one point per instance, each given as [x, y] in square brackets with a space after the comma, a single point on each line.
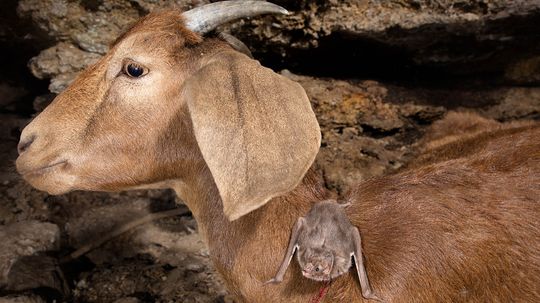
[21, 299]
[128, 300]
[515, 104]
[71, 21]
[42, 101]
[10, 128]
[25, 239]
[61, 63]
[526, 71]
[395, 38]
[37, 272]
[364, 135]
[170, 244]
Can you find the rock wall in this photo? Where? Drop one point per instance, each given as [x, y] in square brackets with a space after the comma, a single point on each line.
[400, 39]
[405, 40]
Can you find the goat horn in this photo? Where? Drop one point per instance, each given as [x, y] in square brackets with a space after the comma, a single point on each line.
[205, 18]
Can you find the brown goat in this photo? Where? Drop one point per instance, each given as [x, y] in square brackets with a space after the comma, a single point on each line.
[235, 141]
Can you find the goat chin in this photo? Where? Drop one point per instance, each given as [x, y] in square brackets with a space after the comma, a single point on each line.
[236, 141]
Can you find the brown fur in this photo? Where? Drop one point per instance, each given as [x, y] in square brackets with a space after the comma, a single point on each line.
[460, 226]
[167, 23]
[460, 134]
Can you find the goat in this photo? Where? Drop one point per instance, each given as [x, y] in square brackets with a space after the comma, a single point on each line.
[167, 107]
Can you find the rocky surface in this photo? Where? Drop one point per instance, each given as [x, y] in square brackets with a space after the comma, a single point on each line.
[25, 239]
[61, 63]
[354, 38]
[19, 41]
[22, 299]
[400, 39]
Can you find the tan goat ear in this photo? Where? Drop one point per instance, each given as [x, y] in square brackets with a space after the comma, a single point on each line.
[256, 130]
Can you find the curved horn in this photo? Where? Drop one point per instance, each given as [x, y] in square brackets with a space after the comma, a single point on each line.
[205, 18]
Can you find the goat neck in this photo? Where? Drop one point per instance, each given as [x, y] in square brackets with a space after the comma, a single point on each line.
[260, 236]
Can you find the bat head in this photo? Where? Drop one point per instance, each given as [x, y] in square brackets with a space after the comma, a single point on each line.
[317, 264]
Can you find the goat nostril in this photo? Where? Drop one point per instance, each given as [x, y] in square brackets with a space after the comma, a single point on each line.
[24, 144]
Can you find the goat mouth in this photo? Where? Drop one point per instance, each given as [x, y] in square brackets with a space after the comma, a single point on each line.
[43, 169]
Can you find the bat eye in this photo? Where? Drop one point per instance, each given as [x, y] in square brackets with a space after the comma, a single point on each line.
[317, 269]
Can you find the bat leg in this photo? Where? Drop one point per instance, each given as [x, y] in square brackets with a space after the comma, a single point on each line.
[360, 268]
[290, 252]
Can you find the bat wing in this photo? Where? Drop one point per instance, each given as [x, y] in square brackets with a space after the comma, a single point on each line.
[293, 246]
[360, 268]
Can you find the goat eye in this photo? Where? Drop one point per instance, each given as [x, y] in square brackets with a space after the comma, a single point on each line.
[134, 70]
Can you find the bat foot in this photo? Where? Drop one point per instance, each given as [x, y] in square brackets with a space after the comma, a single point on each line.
[371, 296]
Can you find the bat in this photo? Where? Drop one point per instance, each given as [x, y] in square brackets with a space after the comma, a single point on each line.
[324, 241]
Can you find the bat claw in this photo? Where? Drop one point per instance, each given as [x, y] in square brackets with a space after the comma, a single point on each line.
[371, 296]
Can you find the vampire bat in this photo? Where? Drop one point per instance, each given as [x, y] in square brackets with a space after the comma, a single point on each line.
[325, 240]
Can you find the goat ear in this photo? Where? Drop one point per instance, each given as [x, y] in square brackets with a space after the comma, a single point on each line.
[256, 130]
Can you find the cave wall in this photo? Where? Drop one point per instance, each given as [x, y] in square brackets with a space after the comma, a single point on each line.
[19, 41]
[405, 41]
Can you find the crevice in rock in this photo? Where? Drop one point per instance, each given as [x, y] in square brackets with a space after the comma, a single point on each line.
[20, 40]
[470, 54]
[377, 133]
[92, 5]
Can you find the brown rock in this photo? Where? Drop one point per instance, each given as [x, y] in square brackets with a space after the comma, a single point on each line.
[25, 239]
[70, 21]
[22, 299]
[127, 300]
[38, 271]
[453, 36]
[61, 63]
[516, 103]
[364, 133]
[526, 71]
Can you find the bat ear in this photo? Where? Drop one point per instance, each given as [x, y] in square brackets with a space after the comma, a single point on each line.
[256, 130]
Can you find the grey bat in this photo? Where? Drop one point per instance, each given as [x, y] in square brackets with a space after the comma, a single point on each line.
[325, 241]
